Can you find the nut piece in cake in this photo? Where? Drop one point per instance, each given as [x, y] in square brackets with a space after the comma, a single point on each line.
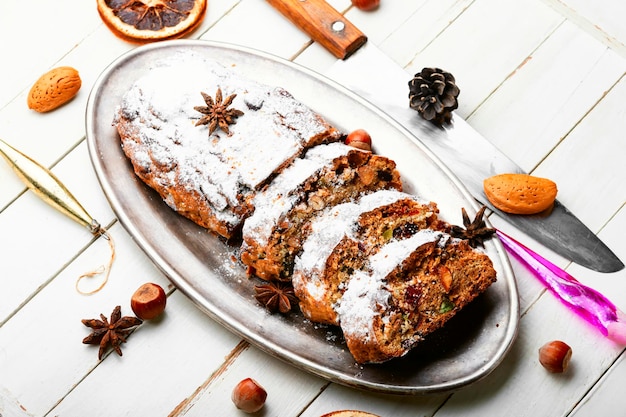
[328, 175]
[390, 306]
[342, 239]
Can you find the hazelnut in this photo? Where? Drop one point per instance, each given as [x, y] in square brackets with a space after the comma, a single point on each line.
[148, 301]
[359, 139]
[555, 356]
[316, 202]
[366, 4]
[249, 396]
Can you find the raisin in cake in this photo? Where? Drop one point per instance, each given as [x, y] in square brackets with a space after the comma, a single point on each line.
[409, 289]
[343, 237]
[211, 177]
[328, 175]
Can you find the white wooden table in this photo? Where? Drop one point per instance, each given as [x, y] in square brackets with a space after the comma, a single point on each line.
[542, 79]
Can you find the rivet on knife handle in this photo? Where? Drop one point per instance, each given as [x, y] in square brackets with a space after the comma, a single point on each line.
[323, 24]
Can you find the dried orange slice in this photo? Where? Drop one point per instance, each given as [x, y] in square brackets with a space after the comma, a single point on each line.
[349, 413]
[144, 21]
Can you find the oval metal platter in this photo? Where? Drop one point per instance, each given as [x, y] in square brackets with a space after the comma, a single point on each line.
[206, 269]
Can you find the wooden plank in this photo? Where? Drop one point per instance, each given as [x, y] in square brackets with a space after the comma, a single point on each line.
[46, 137]
[530, 293]
[284, 40]
[604, 22]
[521, 383]
[593, 69]
[47, 236]
[41, 23]
[607, 395]
[10, 406]
[589, 164]
[612, 284]
[421, 27]
[289, 390]
[190, 346]
[375, 23]
[537, 105]
[414, 29]
[503, 34]
[316, 58]
[337, 397]
[185, 344]
[169, 358]
[44, 22]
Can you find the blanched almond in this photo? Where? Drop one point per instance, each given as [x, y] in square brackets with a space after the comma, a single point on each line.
[53, 89]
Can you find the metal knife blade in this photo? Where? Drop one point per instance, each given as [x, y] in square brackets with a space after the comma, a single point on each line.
[470, 156]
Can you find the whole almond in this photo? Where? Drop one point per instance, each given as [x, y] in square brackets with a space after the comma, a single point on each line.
[520, 193]
[53, 89]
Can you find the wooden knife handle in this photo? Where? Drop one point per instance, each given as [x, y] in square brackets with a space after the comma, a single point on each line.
[323, 24]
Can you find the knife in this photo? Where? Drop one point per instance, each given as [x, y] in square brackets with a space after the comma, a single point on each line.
[471, 157]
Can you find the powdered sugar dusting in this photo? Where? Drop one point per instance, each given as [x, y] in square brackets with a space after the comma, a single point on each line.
[281, 195]
[392, 254]
[359, 305]
[366, 296]
[326, 232]
[274, 129]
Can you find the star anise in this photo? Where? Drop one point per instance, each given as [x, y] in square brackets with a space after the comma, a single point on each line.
[475, 231]
[216, 112]
[276, 296]
[110, 333]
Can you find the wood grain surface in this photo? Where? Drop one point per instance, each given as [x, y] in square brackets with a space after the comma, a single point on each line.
[541, 79]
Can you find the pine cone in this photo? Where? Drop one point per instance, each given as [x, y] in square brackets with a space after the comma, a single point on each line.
[433, 93]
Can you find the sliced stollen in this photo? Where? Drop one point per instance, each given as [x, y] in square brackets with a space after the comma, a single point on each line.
[206, 176]
[342, 238]
[328, 175]
[409, 289]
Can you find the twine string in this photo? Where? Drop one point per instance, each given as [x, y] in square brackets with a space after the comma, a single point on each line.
[106, 270]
